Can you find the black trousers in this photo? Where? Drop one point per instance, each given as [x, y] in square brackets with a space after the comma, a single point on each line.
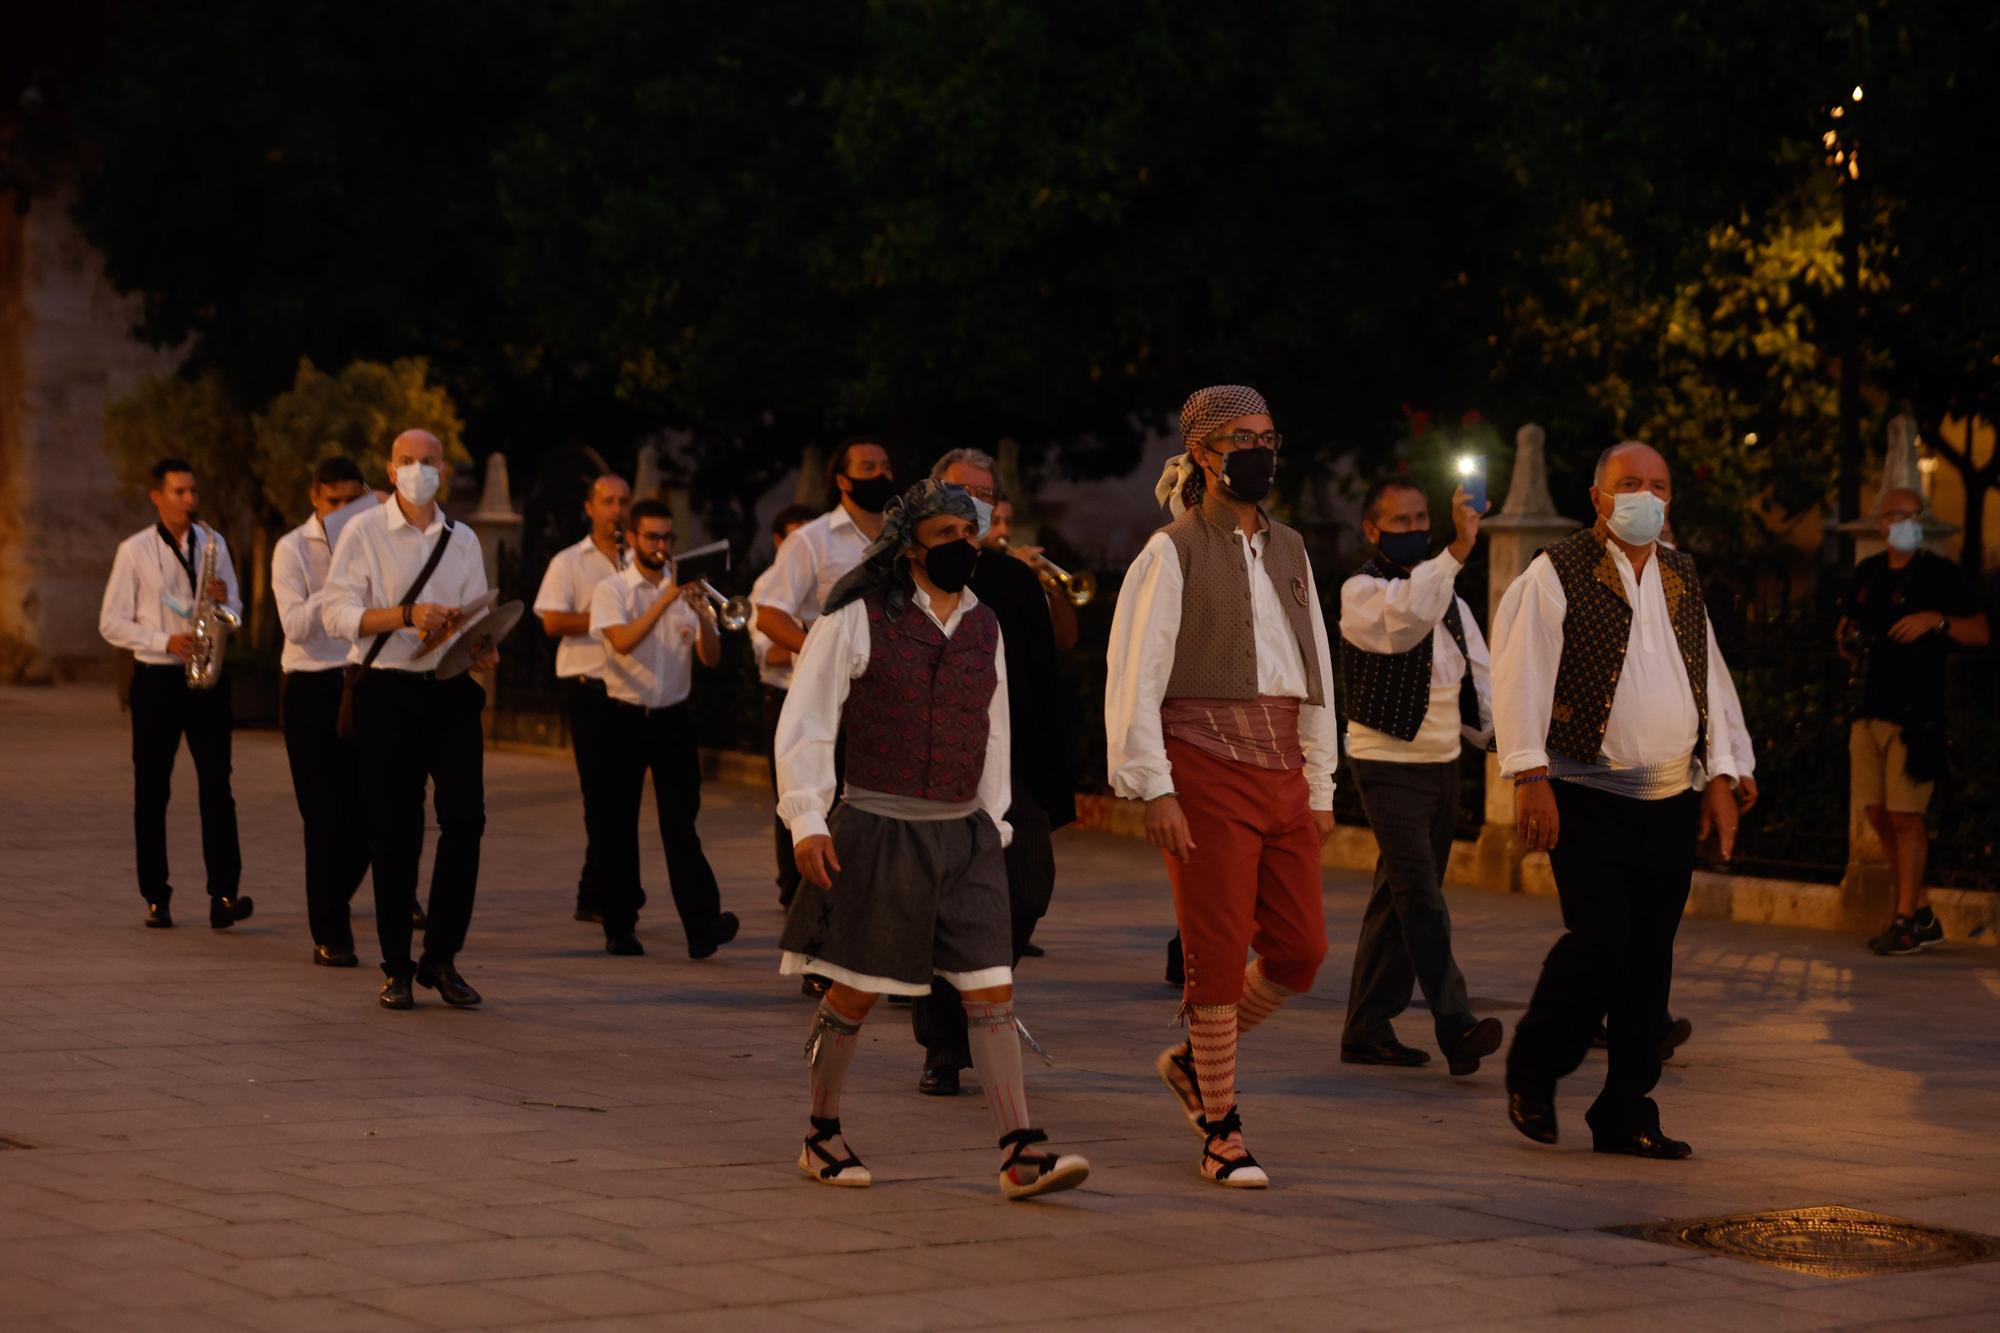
[662, 741]
[326, 779]
[781, 837]
[1406, 929]
[413, 728]
[163, 710]
[1622, 868]
[937, 1020]
[588, 708]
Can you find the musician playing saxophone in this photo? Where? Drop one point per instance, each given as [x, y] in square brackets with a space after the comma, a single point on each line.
[149, 601]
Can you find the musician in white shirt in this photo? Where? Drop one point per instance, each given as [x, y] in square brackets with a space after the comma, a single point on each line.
[326, 773]
[409, 725]
[652, 628]
[563, 603]
[774, 675]
[148, 601]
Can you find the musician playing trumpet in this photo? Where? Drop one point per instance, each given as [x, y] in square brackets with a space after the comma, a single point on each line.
[999, 537]
[149, 606]
[652, 627]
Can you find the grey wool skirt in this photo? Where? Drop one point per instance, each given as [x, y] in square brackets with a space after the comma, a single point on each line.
[912, 899]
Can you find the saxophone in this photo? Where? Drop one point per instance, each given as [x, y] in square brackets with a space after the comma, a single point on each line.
[209, 622]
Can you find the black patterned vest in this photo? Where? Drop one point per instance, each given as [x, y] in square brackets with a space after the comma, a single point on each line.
[916, 720]
[1391, 692]
[1597, 630]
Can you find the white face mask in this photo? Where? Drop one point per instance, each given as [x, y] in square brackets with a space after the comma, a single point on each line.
[417, 483]
[1636, 517]
[984, 512]
[1906, 535]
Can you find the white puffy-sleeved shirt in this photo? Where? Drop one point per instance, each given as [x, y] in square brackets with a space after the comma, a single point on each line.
[809, 563]
[379, 556]
[1390, 616]
[835, 655]
[1653, 715]
[150, 592]
[659, 671]
[1144, 632]
[299, 564]
[573, 575]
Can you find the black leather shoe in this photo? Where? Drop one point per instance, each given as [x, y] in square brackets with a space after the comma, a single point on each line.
[625, 946]
[725, 930]
[158, 917]
[1533, 1116]
[1033, 950]
[813, 987]
[1675, 1037]
[1391, 1052]
[451, 988]
[326, 957]
[226, 912]
[1473, 1045]
[1641, 1143]
[418, 918]
[939, 1083]
[396, 994]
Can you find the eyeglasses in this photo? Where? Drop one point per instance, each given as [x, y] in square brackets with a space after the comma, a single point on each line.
[990, 494]
[1246, 439]
[657, 538]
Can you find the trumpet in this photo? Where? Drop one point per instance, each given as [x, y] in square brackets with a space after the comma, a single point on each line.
[734, 613]
[1079, 587]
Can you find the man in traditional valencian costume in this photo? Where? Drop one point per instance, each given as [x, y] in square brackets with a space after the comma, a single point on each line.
[1607, 690]
[904, 880]
[1218, 710]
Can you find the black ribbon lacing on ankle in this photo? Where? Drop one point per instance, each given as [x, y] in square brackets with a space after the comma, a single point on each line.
[1221, 1128]
[825, 1128]
[1019, 1140]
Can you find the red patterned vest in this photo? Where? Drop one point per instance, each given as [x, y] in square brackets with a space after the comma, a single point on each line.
[916, 719]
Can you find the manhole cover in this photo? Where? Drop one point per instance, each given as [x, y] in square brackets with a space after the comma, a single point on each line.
[1829, 1241]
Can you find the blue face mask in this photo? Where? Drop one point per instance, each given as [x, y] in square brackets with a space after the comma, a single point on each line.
[1906, 535]
[1408, 549]
[984, 512]
[1637, 517]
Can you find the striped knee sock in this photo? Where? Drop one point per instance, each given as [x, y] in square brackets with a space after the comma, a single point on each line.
[1261, 997]
[996, 1058]
[830, 1050]
[1212, 1035]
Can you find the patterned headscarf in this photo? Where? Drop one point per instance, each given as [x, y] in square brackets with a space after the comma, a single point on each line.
[1204, 413]
[882, 563]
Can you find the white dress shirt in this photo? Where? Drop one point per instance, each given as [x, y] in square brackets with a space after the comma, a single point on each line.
[761, 644]
[299, 563]
[1391, 616]
[809, 563]
[149, 594]
[1731, 709]
[835, 654]
[1144, 631]
[659, 671]
[1653, 715]
[571, 578]
[379, 556]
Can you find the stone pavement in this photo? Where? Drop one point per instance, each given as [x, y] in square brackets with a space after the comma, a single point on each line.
[201, 1130]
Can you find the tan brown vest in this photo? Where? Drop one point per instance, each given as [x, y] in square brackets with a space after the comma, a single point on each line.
[1597, 629]
[1216, 654]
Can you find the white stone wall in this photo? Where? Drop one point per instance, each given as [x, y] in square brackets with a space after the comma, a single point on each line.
[66, 352]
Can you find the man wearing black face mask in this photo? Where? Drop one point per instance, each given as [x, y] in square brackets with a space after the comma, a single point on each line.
[1414, 684]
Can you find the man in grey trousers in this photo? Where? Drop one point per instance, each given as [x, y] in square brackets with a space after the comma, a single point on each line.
[1414, 676]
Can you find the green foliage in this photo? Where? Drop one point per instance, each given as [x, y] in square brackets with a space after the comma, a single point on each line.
[359, 413]
[195, 419]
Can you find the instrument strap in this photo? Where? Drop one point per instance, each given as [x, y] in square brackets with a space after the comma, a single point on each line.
[186, 562]
[410, 597]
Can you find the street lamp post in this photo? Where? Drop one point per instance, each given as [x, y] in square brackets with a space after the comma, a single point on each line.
[1843, 149]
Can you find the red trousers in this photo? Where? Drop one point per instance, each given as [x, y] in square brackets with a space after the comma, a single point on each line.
[1253, 879]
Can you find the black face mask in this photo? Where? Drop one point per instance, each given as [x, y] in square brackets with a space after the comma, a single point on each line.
[950, 564]
[1408, 549]
[1247, 473]
[872, 494]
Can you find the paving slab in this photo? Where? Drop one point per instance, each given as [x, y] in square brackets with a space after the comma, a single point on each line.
[220, 1135]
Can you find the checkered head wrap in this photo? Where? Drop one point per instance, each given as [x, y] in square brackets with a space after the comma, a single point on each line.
[1204, 413]
[882, 563]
